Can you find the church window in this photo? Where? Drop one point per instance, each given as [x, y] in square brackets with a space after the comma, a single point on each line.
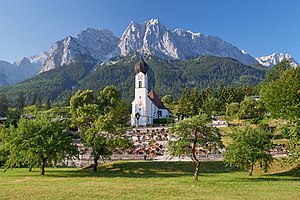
[159, 113]
[140, 84]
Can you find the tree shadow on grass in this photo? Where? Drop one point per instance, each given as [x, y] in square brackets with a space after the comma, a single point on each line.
[291, 175]
[266, 178]
[147, 169]
[294, 172]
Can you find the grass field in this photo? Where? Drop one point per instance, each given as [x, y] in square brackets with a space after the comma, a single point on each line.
[150, 180]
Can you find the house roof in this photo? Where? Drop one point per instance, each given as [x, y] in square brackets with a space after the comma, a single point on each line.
[155, 100]
[141, 66]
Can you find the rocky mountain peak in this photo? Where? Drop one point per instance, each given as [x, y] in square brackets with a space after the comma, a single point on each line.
[94, 43]
[152, 37]
[152, 21]
[39, 58]
[275, 58]
[23, 62]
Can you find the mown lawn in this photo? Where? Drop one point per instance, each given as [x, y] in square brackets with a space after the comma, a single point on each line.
[150, 180]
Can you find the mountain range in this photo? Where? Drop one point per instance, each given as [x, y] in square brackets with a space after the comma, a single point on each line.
[164, 76]
[148, 38]
[18, 71]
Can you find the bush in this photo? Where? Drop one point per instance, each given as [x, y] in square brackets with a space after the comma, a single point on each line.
[163, 121]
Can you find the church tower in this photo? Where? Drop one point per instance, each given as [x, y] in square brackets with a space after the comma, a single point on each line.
[147, 108]
[139, 105]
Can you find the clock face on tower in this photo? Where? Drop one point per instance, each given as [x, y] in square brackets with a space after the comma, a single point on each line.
[140, 103]
[140, 77]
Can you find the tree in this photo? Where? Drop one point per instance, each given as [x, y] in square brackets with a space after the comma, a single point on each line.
[276, 72]
[121, 113]
[84, 108]
[47, 104]
[185, 104]
[3, 105]
[20, 102]
[195, 101]
[167, 99]
[232, 109]
[44, 139]
[100, 120]
[33, 98]
[4, 153]
[249, 147]
[109, 98]
[104, 137]
[191, 133]
[250, 108]
[211, 105]
[292, 133]
[282, 96]
[225, 95]
[13, 116]
[38, 103]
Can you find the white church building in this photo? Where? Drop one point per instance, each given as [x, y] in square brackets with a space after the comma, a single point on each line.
[146, 106]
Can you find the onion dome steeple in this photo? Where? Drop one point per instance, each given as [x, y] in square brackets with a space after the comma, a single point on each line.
[141, 66]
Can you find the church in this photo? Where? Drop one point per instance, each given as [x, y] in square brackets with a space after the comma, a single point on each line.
[146, 106]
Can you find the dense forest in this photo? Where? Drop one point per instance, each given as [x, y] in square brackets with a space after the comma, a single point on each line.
[165, 77]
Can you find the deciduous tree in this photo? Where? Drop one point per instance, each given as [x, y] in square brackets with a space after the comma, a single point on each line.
[250, 108]
[249, 147]
[101, 120]
[191, 133]
[282, 96]
[292, 133]
[43, 139]
[232, 109]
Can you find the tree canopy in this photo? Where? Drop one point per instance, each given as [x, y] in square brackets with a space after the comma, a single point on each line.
[249, 147]
[282, 95]
[100, 120]
[40, 140]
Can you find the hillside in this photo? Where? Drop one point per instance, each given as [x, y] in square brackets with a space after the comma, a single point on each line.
[171, 77]
[165, 76]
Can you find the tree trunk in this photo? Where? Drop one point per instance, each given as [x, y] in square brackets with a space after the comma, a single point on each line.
[251, 169]
[30, 168]
[197, 171]
[43, 167]
[195, 157]
[95, 164]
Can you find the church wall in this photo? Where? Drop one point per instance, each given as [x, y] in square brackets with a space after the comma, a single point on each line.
[165, 113]
[150, 111]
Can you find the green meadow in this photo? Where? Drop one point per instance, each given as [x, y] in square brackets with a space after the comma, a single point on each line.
[151, 180]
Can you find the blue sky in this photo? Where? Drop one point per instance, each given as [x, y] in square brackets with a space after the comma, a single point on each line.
[260, 27]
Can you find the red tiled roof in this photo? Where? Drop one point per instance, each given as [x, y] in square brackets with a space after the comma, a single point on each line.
[155, 100]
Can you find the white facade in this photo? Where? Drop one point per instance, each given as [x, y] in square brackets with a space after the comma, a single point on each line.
[144, 109]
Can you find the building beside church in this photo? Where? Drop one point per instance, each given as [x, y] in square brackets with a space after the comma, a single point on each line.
[146, 106]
